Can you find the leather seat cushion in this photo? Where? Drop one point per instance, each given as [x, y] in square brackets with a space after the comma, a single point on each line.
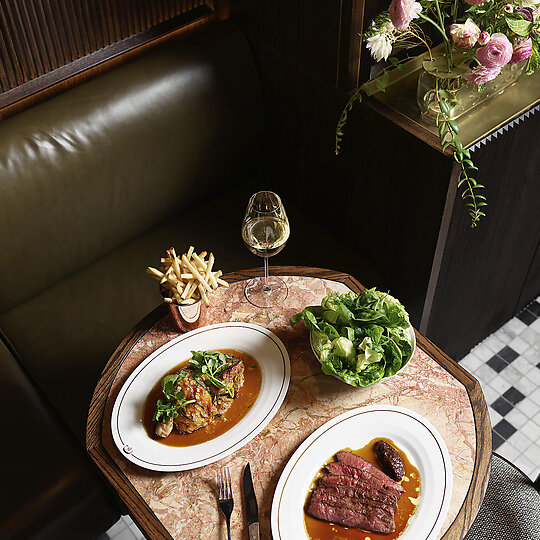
[65, 334]
[88, 170]
[49, 485]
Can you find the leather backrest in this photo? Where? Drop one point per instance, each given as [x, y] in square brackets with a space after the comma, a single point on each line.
[87, 170]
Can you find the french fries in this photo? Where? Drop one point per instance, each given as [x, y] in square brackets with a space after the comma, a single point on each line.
[188, 278]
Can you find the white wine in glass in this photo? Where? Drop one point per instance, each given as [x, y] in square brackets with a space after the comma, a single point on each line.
[265, 231]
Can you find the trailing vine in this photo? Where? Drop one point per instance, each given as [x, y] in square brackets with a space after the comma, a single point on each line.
[380, 81]
[357, 96]
[449, 135]
[448, 129]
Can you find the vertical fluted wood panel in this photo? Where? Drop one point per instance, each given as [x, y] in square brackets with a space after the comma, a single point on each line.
[39, 36]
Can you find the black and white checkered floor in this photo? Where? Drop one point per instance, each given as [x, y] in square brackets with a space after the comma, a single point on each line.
[507, 364]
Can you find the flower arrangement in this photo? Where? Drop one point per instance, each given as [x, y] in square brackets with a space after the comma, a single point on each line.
[480, 38]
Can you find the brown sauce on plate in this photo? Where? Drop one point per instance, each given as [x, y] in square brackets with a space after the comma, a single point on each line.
[239, 408]
[322, 530]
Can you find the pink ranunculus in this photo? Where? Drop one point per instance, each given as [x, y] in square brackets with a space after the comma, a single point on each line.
[483, 38]
[465, 35]
[522, 50]
[496, 53]
[402, 12]
[481, 75]
[474, 2]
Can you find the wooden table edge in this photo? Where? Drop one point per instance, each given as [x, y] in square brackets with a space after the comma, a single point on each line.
[482, 425]
[146, 519]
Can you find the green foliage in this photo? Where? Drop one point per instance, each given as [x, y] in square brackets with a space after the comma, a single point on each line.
[380, 81]
[210, 366]
[519, 26]
[534, 61]
[168, 384]
[359, 338]
[168, 409]
[357, 96]
[448, 134]
[491, 16]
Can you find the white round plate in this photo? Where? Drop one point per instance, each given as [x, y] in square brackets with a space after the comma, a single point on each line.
[126, 422]
[412, 433]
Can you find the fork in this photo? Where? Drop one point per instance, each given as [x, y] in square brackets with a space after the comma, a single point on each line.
[225, 496]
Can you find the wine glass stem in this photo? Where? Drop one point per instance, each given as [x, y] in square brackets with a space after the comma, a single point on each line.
[266, 286]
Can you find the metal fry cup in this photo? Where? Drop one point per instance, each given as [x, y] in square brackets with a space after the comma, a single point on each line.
[187, 316]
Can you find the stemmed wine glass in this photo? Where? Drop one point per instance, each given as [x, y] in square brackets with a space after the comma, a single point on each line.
[265, 231]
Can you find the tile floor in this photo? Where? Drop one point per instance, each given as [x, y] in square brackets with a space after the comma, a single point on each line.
[507, 364]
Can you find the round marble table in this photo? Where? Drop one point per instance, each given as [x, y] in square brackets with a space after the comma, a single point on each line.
[183, 505]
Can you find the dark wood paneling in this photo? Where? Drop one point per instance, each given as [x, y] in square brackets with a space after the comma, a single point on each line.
[531, 287]
[488, 274]
[385, 198]
[42, 35]
[43, 42]
[391, 194]
[323, 37]
[302, 33]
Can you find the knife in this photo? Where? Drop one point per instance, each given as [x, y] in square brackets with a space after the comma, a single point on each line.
[252, 510]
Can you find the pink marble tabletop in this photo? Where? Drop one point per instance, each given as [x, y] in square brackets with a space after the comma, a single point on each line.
[185, 502]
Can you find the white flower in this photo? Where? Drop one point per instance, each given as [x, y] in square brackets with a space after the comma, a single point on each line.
[380, 44]
[465, 35]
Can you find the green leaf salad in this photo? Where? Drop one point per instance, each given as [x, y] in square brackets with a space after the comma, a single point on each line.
[359, 338]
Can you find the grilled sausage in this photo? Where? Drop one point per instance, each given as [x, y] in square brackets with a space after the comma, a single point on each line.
[390, 460]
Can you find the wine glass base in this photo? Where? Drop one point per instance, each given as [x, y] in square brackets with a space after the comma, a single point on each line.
[273, 294]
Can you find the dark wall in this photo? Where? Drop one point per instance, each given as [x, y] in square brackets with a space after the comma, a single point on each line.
[385, 192]
[45, 42]
[489, 274]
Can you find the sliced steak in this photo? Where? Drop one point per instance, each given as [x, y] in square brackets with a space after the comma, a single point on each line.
[349, 518]
[338, 469]
[365, 505]
[373, 498]
[352, 460]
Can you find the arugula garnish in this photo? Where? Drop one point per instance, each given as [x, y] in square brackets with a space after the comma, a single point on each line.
[170, 408]
[210, 365]
[206, 367]
[168, 384]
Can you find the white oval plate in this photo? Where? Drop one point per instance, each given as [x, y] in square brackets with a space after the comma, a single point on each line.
[411, 432]
[126, 422]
